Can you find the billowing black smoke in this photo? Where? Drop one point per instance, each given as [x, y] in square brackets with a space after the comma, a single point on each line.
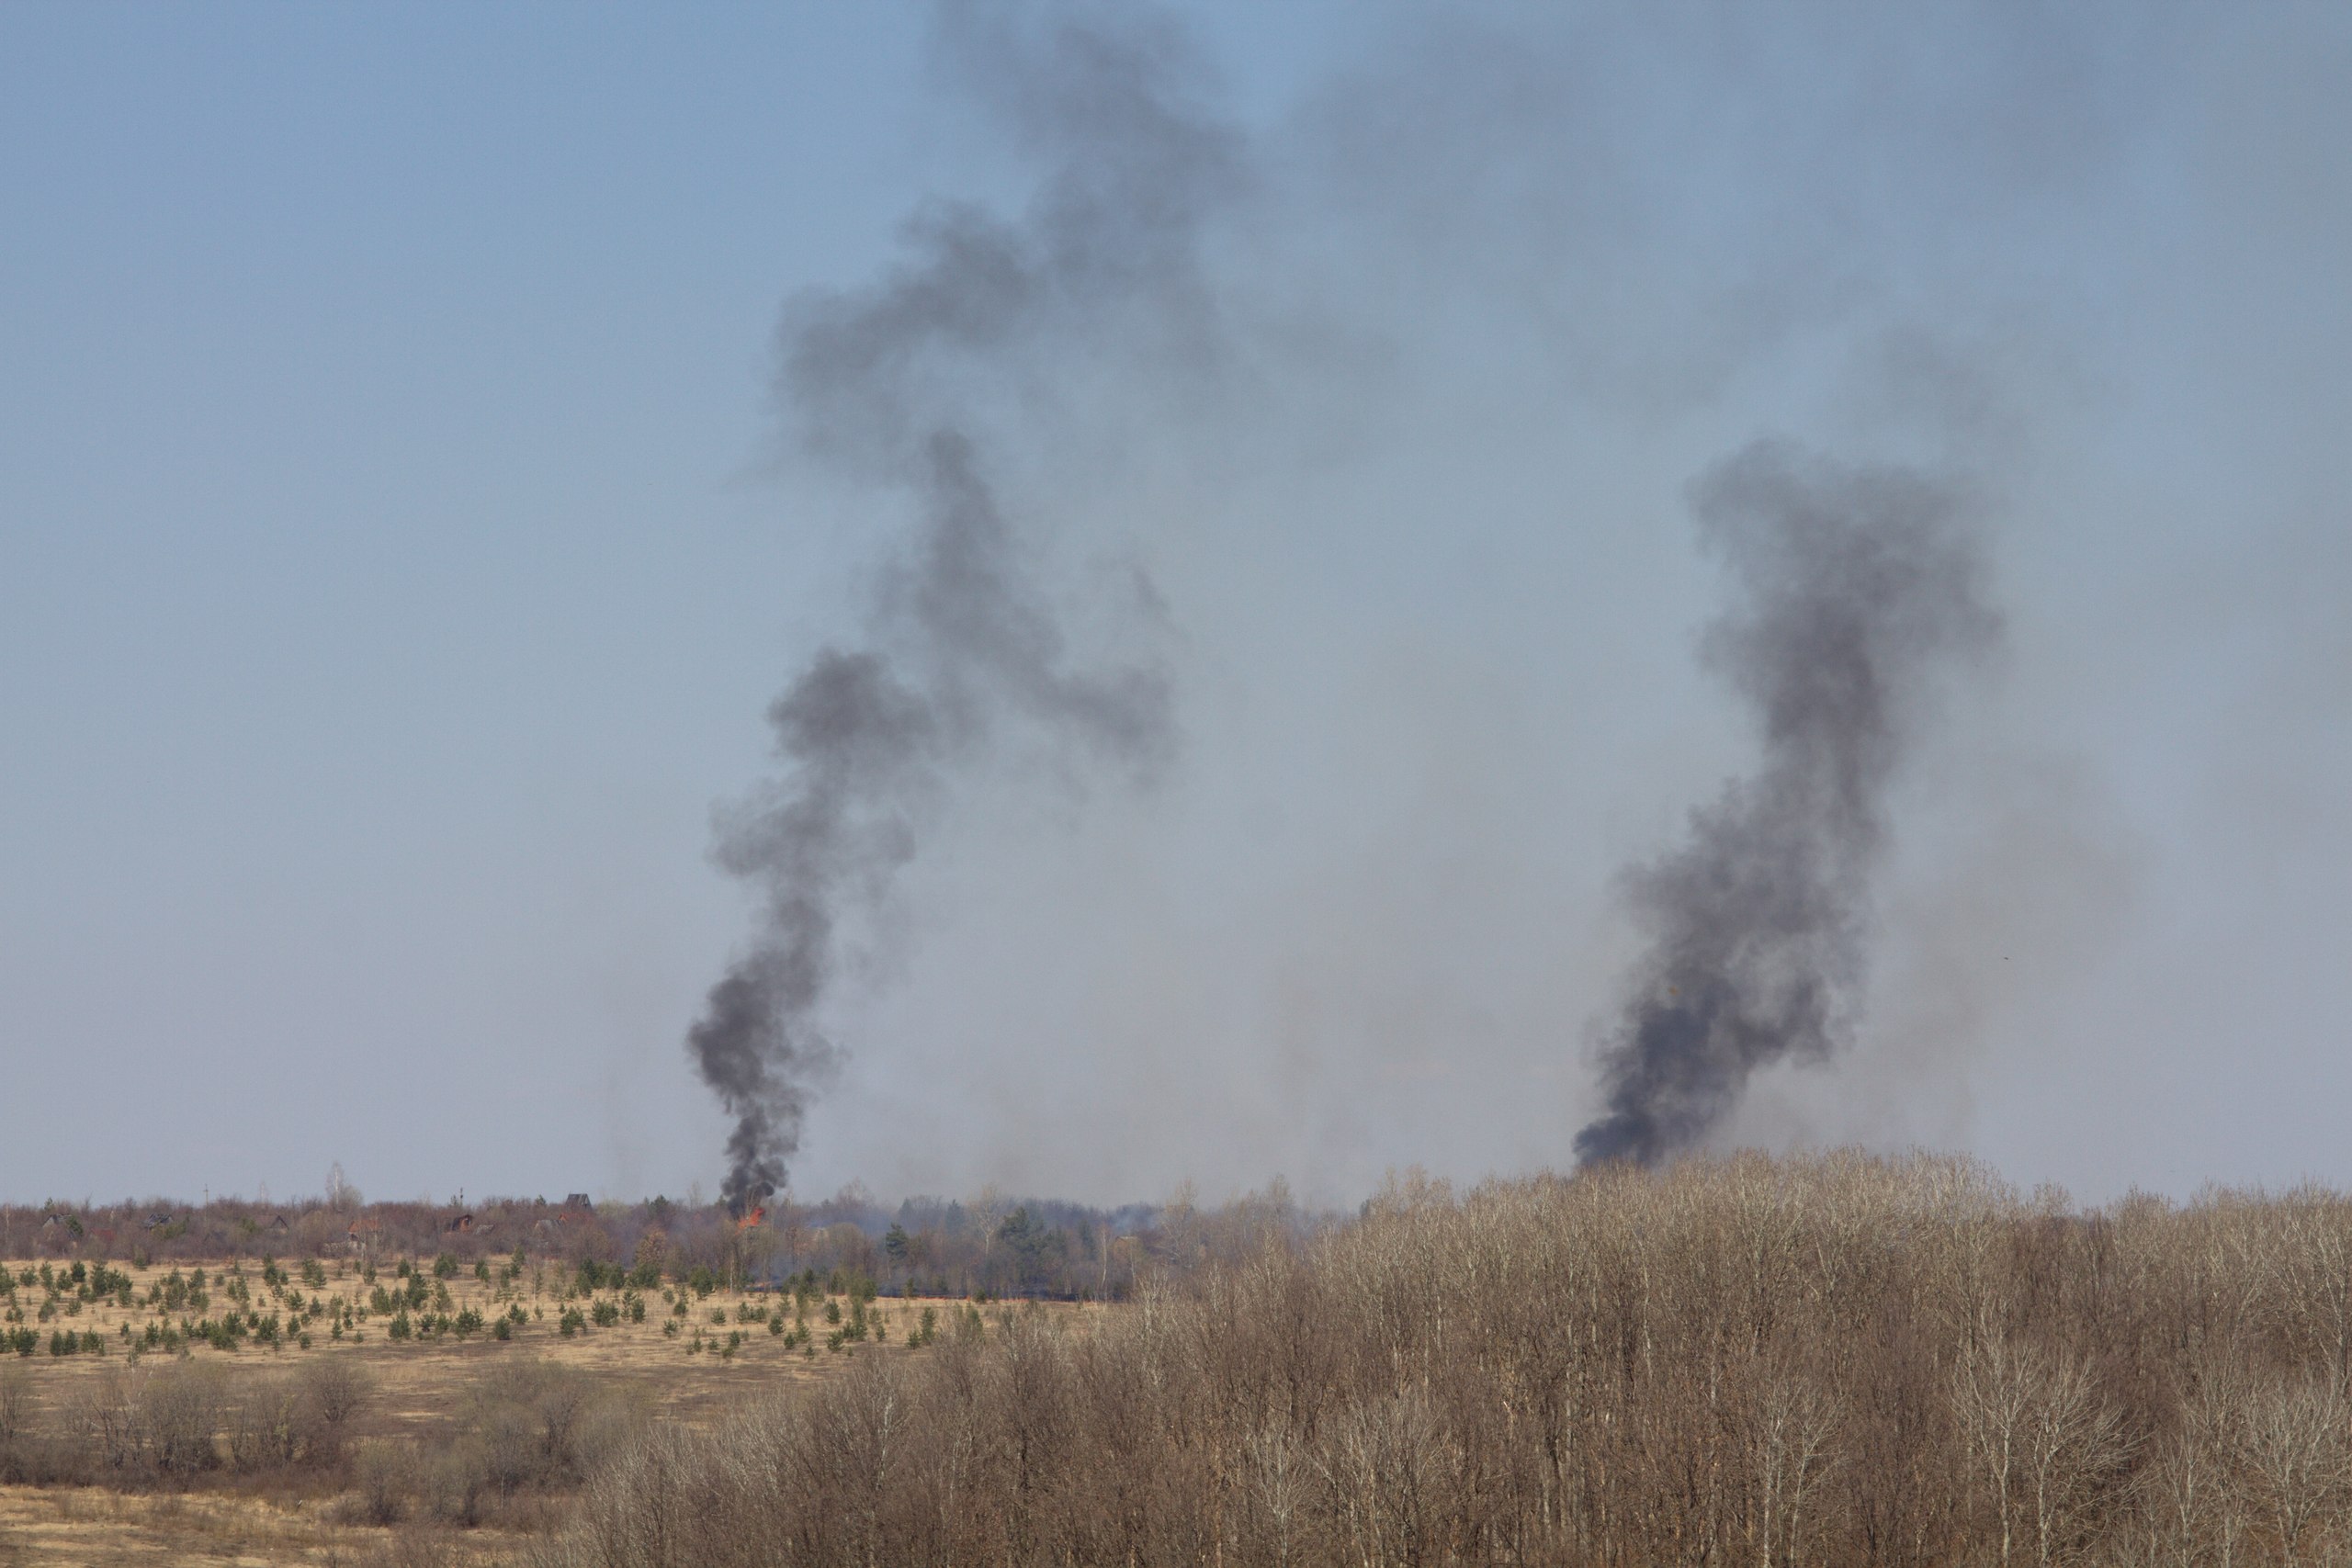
[905, 386]
[1857, 590]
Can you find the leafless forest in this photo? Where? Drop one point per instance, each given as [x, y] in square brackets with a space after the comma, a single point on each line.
[1831, 1360]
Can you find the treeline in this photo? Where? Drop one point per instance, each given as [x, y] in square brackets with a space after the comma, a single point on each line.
[923, 1246]
[1821, 1361]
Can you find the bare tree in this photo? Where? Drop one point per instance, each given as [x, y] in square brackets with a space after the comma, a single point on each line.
[342, 1196]
[1992, 1395]
[2295, 1453]
[2074, 1443]
[1795, 1424]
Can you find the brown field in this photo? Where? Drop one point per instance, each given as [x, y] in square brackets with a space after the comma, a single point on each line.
[90, 1527]
[668, 1367]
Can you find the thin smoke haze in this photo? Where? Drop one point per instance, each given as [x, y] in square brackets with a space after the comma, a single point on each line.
[904, 385]
[387, 633]
[1858, 590]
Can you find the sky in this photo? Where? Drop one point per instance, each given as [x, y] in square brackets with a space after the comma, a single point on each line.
[407, 522]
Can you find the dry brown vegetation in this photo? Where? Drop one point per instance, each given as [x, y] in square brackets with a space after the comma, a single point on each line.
[163, 1435]
[1770, 1362]
[1833, 1361]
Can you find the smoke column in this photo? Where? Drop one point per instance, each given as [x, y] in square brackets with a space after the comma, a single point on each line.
[1856, 589]
[904, 385]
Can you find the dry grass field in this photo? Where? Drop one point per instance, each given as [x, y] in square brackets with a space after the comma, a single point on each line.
[91, 1527]
[426, 1345]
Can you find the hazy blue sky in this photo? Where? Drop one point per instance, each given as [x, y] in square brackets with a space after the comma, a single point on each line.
[399, 543]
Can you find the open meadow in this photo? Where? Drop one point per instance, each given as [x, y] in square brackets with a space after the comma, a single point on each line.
[254, 1412]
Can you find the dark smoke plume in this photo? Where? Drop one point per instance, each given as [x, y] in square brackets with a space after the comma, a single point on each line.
[905, 385]
[1857, 589]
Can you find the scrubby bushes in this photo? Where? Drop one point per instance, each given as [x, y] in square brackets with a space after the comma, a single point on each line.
[16, 1414]
[146, 1424]
[1824, 1361]
[385, 1477]
[526, 1429]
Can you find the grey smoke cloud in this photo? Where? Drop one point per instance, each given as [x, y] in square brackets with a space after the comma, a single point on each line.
[905, 385]
[490, 653]
[1430, 684]
[1857, 591]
